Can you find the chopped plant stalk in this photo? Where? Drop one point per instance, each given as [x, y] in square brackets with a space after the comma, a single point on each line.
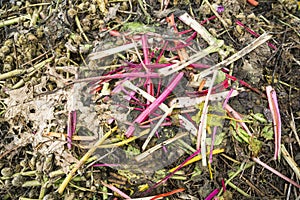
[188, 125]
[106, 165]
[232, 113]
[197, 158]
[155, 104]
[258, 161]
[112, 51]
[223, 185]
[74, 137]
[201, 135]
[119, 76]
[212, 143]
[273, 105]
[253, 45]
[113, 188]
[15, 20]
[158, 124]
[192, 59]
[71, 128]
[290, 161]
[188, 20]
[253, 2]
[83, 160]
[203, 138]
[146, 95]
[168, 193]
[182, 102]
[156, 147]
[145, 49]
[245, 84]
[181, 52]
[212, 194]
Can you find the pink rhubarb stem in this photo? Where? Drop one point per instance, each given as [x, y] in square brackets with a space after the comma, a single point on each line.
[257, 160]
[227, 98]
[155, 104]
[273, 105]
[237, 116]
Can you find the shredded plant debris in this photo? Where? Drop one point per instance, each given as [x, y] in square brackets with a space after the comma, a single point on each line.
[150, 99]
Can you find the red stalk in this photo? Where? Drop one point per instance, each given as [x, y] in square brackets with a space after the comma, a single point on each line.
[252, 32]
[233, 78]
[155, 104]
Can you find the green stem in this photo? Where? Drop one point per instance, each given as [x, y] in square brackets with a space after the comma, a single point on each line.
[13, 20]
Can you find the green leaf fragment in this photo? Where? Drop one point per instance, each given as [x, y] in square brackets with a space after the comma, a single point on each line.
[255, 146]
[137, 27]
[267, 132]
[259, 117]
